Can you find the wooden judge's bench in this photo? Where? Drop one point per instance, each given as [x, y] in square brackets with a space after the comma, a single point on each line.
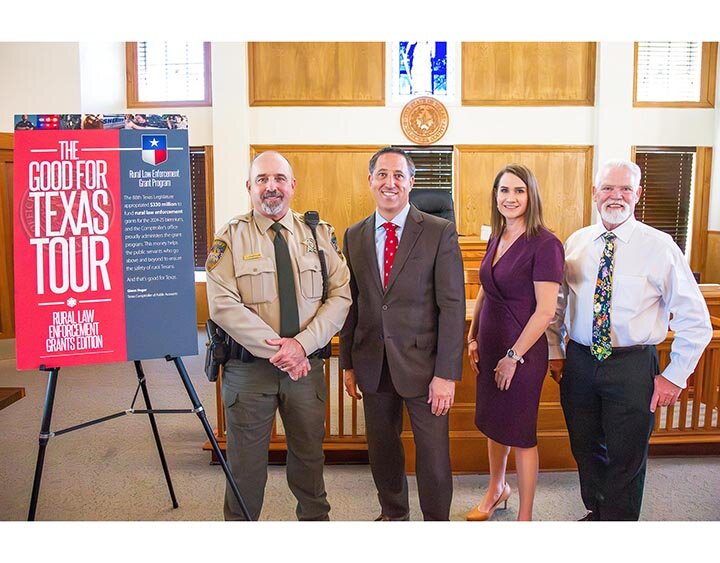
[689, 427]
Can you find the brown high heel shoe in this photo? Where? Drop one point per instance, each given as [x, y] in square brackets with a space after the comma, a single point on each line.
[477, 515]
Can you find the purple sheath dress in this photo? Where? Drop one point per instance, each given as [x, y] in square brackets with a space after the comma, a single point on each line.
[510, 417]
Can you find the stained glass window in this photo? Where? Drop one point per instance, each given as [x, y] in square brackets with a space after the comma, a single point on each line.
[423, 68]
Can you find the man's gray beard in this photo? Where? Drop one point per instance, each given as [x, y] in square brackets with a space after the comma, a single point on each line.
[271, 209]
[615, 217]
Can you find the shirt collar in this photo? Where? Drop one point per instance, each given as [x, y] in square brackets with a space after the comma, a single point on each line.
[623, 232]
[264, 223]
[398, 220]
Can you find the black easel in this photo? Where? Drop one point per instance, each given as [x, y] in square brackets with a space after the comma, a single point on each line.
[46, 434]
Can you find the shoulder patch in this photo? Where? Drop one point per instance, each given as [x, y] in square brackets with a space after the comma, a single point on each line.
[216, 252]
[334, 242]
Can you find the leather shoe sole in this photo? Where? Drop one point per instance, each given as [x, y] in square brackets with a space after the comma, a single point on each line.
[383, 518]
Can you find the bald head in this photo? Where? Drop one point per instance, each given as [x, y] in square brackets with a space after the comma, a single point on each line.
[271, 184]
[273, 156]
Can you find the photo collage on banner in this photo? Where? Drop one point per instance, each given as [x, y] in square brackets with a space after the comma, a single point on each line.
[103, 245]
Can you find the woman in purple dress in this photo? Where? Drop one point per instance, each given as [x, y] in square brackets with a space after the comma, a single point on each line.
[520, 277]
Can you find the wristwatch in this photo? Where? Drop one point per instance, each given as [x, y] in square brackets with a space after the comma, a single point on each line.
[515, 356]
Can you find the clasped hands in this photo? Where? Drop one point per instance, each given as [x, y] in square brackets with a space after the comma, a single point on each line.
[291, 357]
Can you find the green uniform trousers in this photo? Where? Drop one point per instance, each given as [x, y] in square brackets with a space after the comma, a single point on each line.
[252, 394]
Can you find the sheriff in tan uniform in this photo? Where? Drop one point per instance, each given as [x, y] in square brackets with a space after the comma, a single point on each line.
[245, 281]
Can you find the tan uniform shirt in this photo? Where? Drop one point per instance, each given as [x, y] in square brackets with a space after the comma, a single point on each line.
[242, 284]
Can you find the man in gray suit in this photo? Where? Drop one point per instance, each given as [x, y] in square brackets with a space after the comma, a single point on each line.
[403, 339]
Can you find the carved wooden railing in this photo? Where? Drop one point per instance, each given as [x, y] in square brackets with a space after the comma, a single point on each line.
[693, 420]
[344, 420]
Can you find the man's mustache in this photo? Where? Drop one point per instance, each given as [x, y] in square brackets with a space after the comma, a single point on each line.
[609, 203]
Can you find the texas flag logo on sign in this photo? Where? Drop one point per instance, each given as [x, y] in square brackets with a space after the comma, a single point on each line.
[154, 149]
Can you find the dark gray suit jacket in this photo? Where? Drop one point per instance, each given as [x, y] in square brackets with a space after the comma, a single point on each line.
[419, 322]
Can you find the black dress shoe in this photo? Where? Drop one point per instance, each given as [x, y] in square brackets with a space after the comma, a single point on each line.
[383, 518]
[590, 516]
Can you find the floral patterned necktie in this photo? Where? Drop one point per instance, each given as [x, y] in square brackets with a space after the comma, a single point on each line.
[601, 346]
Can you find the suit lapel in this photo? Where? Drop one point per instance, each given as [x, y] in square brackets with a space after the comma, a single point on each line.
[413, 228]
[367, 237]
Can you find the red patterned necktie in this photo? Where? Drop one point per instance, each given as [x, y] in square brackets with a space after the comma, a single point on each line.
[391, 244]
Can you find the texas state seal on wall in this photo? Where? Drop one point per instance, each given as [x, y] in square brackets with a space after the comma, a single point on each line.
[424, 120]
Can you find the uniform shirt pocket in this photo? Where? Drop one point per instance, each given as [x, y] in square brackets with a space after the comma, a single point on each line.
[311, 285]
[256, 280]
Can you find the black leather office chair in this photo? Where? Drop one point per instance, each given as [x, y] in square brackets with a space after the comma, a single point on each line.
[434, 201]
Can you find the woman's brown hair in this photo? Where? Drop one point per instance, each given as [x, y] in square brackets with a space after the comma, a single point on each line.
[533, 215]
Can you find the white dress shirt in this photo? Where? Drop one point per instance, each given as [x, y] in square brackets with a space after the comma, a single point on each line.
[651, 280]
[381, 235]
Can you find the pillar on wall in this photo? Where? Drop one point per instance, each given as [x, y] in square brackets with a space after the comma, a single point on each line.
[231, 129]
[613, 103]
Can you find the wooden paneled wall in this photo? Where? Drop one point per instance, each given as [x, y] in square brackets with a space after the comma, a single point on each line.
[202, 308]
[7, 313]
[712, 262]
[316, 74]
[564, 174]
[331, 179]
[528, 74]
[701, 205]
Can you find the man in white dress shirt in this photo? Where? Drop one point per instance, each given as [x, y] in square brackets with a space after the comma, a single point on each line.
[623, 280]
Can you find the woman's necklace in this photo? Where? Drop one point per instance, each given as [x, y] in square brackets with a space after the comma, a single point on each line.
[504, 244]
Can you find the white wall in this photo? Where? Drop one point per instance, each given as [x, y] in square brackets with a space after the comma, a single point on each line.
[231, 130]
[38, 78]
[90, 77]
[75, 78]
[381, 125]
[102, 78]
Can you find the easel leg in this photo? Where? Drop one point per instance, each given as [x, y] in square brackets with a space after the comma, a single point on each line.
[208, 430]
[156, 434]
[44, 437]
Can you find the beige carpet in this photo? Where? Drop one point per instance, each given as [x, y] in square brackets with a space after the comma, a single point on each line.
[111, 471]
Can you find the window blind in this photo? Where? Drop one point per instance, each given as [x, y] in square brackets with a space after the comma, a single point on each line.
[433, 166]
[669, 71]
[198, 186]
[170, 71]
[667, 179]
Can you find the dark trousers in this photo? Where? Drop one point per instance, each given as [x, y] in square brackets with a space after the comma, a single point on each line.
[252, 394]
[383, 424]
[607, 411]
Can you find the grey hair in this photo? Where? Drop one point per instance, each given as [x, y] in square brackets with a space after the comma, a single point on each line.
[634, 169]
